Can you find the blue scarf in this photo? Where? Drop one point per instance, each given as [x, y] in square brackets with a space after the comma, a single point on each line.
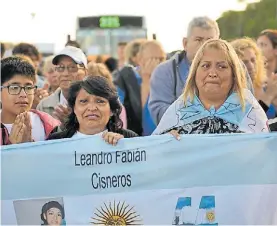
[250, 119]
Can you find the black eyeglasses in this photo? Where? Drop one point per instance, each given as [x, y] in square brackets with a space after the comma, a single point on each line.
[16, 89]
[70, 69]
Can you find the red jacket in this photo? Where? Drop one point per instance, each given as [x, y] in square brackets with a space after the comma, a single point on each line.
[48, 122]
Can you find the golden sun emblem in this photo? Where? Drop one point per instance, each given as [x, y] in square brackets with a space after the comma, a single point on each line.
[210, 216]
[116, 214]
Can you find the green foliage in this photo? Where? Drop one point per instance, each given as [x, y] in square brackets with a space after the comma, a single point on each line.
[256, 17]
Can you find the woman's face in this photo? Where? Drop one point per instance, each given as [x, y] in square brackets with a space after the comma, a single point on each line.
[249, 59]
[93, 112]
[267, 48]
[15, 104]
[53, 216]
[214, 77]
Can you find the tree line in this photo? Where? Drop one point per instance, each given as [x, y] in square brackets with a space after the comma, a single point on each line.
[250, 22]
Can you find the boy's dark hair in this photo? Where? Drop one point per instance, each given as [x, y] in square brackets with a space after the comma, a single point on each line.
[15, 65]
[26, 49]
[2, 49]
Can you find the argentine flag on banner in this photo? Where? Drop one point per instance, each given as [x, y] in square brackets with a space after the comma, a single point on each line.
[206, 212]
[156, 180]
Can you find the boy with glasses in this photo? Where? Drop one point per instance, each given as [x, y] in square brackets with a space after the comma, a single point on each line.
[19, 124]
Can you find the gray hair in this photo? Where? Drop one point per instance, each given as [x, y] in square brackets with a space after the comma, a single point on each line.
[203, 22]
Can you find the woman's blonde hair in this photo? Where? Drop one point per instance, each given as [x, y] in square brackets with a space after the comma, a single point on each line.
[99, 69]
[240, 45]
[132, 49]
[149, 43]
[238, 72]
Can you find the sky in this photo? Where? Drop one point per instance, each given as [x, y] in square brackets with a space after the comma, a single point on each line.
[54, 19]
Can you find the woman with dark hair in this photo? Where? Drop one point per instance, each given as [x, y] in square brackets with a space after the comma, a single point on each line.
[267, 41]
[95, 110]
[52, 213]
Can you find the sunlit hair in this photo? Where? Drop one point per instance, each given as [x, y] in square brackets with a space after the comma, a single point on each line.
[233, 61]
[132, 49]
[99, 69]
[47, 64]
[145, 45]
[240, 45]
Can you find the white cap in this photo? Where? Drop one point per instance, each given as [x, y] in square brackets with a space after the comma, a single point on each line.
[76, 54]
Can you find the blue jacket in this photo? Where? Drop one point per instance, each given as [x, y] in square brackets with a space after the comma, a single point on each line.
[164, 87]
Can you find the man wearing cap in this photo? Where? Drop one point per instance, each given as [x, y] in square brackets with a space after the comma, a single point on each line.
[71, 65]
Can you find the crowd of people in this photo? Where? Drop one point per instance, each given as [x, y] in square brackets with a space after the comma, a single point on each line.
[211, 86]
